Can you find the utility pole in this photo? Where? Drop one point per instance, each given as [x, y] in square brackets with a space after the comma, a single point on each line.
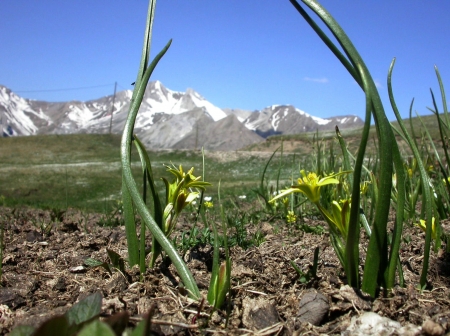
[196, 135]
[112, 108]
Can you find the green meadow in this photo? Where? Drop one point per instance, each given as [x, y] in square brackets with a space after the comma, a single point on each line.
[83, 170]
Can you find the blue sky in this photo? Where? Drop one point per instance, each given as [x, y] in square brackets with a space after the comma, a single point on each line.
[237, 54]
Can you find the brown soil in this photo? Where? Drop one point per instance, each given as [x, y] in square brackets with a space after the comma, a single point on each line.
[44, 275]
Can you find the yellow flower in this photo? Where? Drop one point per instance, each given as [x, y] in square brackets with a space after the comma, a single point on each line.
[422, 224]
[291, 217]
[179, 194]
[208, 204]
[410, 172]
[364, 187]
[310, 184]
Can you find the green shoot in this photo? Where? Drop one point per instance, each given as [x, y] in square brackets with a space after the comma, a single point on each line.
[132, 200]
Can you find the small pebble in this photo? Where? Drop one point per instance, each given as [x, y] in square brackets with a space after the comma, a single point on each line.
[314, 307]
[258, 313]
[372, 324]
[77, 269]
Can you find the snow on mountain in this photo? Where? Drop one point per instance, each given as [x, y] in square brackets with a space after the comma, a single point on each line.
[215, 112]
[169, 129]
[160, 99]
[166, 119]
[96, 114]
[286, 119]
[18, 113]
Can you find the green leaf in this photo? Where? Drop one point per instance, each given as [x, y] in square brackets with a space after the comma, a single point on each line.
[85, 310]
[139, 330]
[130, 225]
[157, 207]
[213, 290]
[297, 269]
[223, 284]
[144, 327]
[130, 192]
[426, 191]
[96, 328]
[23, 330]
[315, 262]
[118, 322]
[57, 325]
[91, 262]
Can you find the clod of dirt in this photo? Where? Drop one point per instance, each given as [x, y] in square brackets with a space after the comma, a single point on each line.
[173, 324]
[258, 313]
[33, 236]
[314, 307]
[266, 228]
[68, 227]
[10, 298]
[371, 323]
[58, 284]
[117, 284]
[37, 316]
[432, 328]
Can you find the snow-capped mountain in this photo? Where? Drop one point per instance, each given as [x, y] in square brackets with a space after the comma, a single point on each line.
[286, 119]
[166, 119]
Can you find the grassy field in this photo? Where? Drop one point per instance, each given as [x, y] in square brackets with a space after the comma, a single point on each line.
[83, 171]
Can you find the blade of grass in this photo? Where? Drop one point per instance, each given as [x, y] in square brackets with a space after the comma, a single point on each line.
[441, 131]
[376, 262]
[128, 208]
[345, 62]
[352, 246]
[444, 100]
[157, 208]
[436, 154]
[344, 149]
[262, 190]
[130, 226]
[411, 124]
[280, 165]
[426, 194]
[131, 192]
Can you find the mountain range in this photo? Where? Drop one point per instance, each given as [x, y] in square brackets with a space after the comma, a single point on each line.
[166, 119]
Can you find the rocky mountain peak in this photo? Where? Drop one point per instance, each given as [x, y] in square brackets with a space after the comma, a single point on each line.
[166, 119]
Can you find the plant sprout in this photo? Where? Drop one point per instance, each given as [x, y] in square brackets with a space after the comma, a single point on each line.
[131, 197]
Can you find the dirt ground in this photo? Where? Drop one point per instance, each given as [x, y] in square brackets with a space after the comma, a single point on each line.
[44, 274]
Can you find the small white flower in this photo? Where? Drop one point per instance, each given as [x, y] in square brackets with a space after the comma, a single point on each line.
[242, 197]
[207, 198]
